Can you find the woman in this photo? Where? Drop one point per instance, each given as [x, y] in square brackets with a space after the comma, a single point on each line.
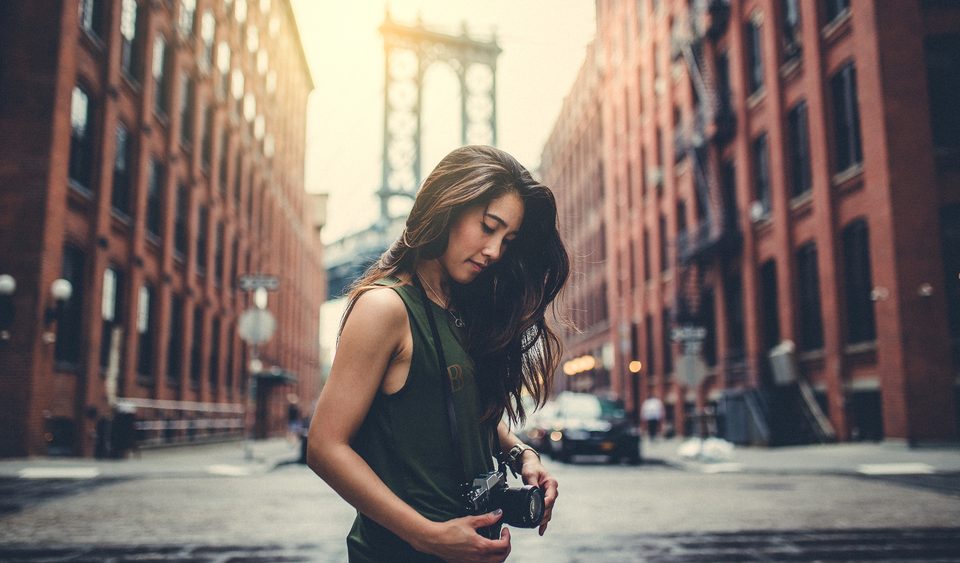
[482, 256]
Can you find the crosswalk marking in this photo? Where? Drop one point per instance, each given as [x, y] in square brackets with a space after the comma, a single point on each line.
[895, 469]
[59, 473]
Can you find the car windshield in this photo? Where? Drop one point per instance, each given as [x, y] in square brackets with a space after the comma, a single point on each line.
[588, 406]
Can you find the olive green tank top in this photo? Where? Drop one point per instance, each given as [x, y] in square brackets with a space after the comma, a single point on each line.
[405, 437]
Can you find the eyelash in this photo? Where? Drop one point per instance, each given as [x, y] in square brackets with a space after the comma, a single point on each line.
[487, 229]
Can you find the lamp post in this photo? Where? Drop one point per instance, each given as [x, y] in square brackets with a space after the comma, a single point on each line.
[60, 292]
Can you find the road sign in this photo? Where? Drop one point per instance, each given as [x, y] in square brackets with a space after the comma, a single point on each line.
[256, 326]
[250, 282]
[688, 333]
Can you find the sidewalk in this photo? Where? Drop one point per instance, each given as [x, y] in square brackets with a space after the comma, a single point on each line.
[225, 458]
[845, 458]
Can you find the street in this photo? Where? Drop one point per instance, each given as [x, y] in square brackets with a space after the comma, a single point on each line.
[651, 512]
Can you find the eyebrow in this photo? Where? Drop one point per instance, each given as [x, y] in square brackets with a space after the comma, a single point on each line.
[499, 220]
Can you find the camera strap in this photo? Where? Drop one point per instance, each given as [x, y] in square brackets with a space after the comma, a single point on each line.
[447, 387]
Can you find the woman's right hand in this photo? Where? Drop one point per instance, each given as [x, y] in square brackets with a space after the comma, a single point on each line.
[457, 540]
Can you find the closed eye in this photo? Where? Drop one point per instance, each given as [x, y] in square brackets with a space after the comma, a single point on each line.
[487, 228]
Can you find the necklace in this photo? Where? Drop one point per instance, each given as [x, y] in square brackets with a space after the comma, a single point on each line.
[457, 320]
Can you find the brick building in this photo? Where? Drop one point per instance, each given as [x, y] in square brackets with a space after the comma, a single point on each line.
[152, 152]
[782, 174]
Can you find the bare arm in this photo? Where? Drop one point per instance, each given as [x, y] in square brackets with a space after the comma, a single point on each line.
[533, 473]
[375, 332]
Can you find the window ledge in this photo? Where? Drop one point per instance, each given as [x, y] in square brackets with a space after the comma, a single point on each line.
[756, 98]
[790, 68]
[848, 179]
[860, 347]
[802, 204]
[811, 355]
[839, 27]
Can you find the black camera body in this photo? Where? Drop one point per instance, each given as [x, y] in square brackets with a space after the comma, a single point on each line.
[522, 506]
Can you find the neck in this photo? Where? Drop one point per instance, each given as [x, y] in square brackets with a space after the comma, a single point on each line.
[435, 279]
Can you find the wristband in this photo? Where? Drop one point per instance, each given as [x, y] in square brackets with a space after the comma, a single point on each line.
[516, 452]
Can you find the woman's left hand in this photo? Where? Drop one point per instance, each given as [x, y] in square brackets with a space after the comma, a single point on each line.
[534, 473]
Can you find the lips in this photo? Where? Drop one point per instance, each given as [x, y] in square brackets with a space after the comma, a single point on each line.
[476, 267]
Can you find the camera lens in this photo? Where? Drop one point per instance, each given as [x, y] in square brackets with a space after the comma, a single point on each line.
[523, 506]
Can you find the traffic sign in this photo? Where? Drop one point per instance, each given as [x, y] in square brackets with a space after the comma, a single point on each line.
[250, 282]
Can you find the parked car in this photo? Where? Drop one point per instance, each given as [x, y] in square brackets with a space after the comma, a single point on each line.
[584, 424]
[537, 427]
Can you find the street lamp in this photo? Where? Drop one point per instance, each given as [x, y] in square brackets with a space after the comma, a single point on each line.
[8, 286]
[60, 292]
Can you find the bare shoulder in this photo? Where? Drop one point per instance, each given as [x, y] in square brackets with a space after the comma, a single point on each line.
[377, 309]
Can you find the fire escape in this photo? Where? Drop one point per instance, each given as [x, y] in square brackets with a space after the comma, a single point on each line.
[715, 237]
[785, 413]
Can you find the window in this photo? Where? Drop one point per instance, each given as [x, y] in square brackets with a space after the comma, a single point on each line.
[161, 90]
[664, 245]
[218, 255]
[180, 221]
[155, 181]
[846, 119]
[791, 29]
[130, 49]
[667, 344]
[195, 346]
[799, 147]
[203, 218]
[646, 254]
[769, 311]
[175, 346]
[950, 243]
[208, 30]
[81, 139]
[224, 163]
[145, 331]
[92, 16]
[728, 183]
[733, 298]
[122, 173]
[761, 172]
[214, 373]
[223, 65]
[811, 322]
[68, 349]
[942, 55]
[230, 344]
[651, 356]
[858, 282]
[754, 48]
[836, 8]
[186, 109]
[110, 307]
[187, 10]
[206, 139]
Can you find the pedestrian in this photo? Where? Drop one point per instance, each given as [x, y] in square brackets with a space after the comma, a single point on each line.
[469, 281]
[651, 411]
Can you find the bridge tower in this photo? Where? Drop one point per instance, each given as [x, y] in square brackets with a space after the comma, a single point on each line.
[409, 51]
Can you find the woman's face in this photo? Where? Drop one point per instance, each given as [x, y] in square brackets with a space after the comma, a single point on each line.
[480, 236]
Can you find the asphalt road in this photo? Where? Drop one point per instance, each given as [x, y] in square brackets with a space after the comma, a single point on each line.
[604, 514]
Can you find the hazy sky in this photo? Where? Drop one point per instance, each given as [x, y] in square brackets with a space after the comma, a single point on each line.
[543, 45]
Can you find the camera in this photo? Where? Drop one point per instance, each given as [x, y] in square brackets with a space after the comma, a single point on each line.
[522, 506]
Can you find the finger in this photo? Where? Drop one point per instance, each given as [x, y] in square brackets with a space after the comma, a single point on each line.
[501, 547]
[543, 528]
[487, 519]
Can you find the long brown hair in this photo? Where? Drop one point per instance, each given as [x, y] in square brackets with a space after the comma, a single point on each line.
[505, 306]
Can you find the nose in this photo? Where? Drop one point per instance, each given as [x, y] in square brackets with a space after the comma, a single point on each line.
[493, 250]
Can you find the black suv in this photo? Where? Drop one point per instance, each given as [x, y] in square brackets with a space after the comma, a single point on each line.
[585, 424]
